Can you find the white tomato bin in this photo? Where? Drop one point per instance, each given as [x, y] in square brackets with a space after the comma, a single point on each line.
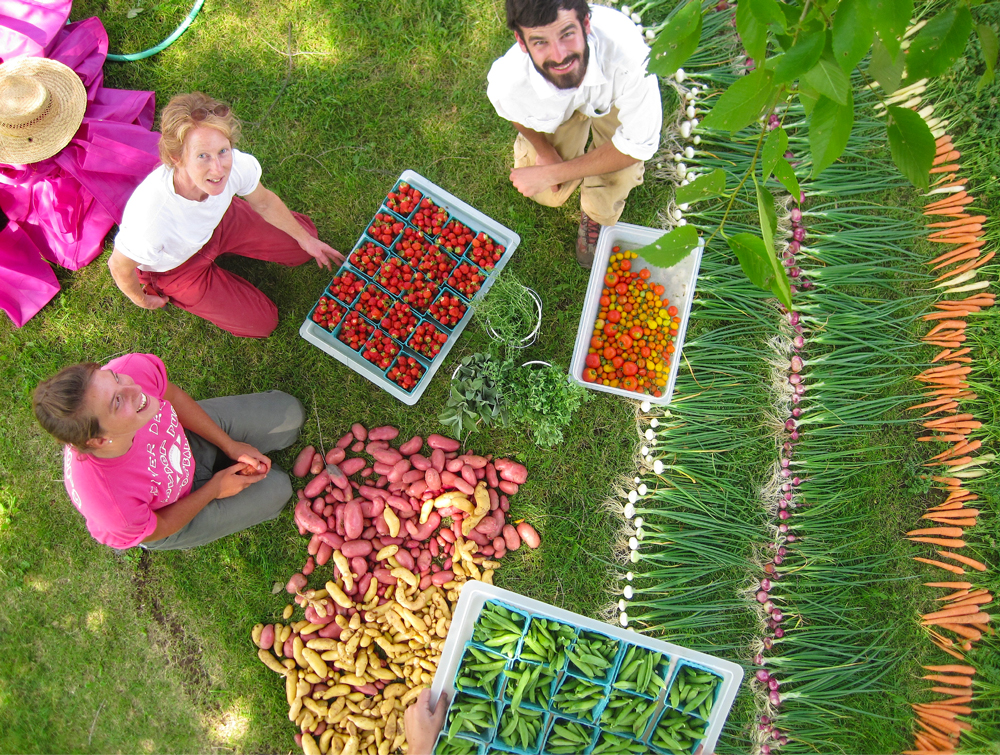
[678, 282]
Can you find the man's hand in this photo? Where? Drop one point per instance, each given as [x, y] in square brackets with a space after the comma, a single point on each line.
[151, 301]
[421, 724]
[324, 254]
[247, 454]
[233, 480]
[533, 180]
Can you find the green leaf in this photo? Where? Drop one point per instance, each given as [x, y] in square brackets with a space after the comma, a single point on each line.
[671, 247]
[807, 96]
[891, 17]
[784, 173]
[829, 80]
[803, 55]
[990, 44]
[939, 43]
[912, 145]
[829, 129]
[886, 69]
[853, 31]
[753, 256]
[774, 148]
[742, 103]
[677, 40]
[752, 32]
[768, 12]
[708, 185]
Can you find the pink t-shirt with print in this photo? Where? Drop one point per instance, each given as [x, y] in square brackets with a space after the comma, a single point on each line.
[118, 496]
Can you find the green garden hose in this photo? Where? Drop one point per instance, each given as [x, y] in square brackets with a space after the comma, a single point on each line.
[132, 56]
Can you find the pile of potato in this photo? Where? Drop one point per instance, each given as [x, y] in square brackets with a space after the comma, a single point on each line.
[371, 637]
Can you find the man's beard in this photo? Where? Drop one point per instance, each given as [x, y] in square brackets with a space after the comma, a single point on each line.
[567, 80]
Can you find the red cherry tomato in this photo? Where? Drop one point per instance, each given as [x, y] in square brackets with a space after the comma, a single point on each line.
[672, 311]
[644, 273]
[629, 383]
[625, 341]
[622, 288]
[596, 342]
[609, 352]
[636, 332]
[605, 302]
[614, 315]
[630, 368]
[617, 362]
[593, 360]
[589, 375]
[611, 279]
[658, 289]
[626, 265]
[610, 329]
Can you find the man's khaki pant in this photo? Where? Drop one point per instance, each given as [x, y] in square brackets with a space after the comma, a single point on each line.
[601, 197]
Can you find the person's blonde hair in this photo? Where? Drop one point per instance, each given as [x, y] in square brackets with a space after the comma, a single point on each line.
[176, 121]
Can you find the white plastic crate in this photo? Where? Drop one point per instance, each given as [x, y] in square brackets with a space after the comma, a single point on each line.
[475, 595]
[678, 282]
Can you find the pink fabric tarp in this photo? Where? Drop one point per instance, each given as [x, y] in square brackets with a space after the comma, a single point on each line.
[63, 207]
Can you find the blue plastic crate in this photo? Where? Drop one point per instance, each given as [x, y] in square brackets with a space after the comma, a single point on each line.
[594, 732]
[615, 658]
[495, 691]
[510, 685]
[525, 648]
[383, 210]
[682, 664]
[461, 702]
[441, 745]
[589, 717]
[652, 731]
[630, 701]
[469, 297]
[660, 670]
[365, 239]
[525, 618]
[450, 292]
[609, 735]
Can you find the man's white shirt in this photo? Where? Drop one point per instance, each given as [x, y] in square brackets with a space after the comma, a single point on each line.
[616, 76]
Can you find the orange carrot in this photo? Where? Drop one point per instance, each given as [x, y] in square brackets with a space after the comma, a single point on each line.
[948, 531]
[947, 542]
[946, 567]
[958, 230]
[970, 255]
[947, 157]
[952, 668]
[965, 248]
[958, 693]
[942, 709]
[970, 594]
[950, 612]
[952, 199]
[974, 264]
[953, 596]
[956, 699]
[955, 223]
[951, 585]
[953, 653]
[963, 559]
[957, 680]
[951, 406]
[956, 522]
[964, 239]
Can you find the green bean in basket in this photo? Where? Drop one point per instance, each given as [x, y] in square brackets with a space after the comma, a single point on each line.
[528, 682]
[498, 628]
[456, 747]
[471, 714]
[639, 672]
[627, 714]
[678, 733]
[612, 744]
[568, 738]
[480, 670]
[520, 727]
[578, 697]
[694, 691]
[546, 642]
[593, 655]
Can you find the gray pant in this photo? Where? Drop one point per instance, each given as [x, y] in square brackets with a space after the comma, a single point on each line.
[268, 422]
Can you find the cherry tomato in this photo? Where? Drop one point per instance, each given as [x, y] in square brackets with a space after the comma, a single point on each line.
[630, 368]
[589, 375]
[644, 351]
[625, 341]
[658, 289]
[622, 288]
[617, 362]
[609, 352]
[605, 301]
[593, 360]
[596, 343]
[629, 383]
[672, 311]
[614, 315]
[611, 279]
[610, 329]
[626, 265]
[644, 273]
[636, 332]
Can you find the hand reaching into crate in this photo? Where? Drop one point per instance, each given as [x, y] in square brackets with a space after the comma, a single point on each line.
[422, 724]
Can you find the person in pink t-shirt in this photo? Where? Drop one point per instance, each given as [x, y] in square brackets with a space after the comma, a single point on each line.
[147, 464]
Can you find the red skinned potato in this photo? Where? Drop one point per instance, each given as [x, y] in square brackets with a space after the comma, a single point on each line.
[359, 431]
[529, 535]
[324, 554]
[445, 444]
[442, 576]
[316, 466]
[296, 583]
[405, 559]
[354, 520]
[384, 576]
[432, 479]
[386, 432]
[420, 462]
[305, 518]
[469, 475]
[350, 466]
[352, 548]
[303, 461]
[309, 566]
[266, 640]
[511, 471]
[437, 459]
[510, 537]
[508, 487]
[387, 456]
[412, 446]
[316, 485]
[335, 455]
[345, 441]
[314, 618]
[331, 538]
[488, 527]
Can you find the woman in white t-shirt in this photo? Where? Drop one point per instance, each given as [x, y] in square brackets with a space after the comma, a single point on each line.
[186, 213]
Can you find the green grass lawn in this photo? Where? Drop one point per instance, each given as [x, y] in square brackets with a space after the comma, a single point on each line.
[109, 652]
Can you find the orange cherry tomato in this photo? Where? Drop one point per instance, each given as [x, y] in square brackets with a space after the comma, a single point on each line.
[672, 311]
[597, 343]
[636, 332]
[589, 375]
[626, 265]
[645, 352]
[611, 279]
[614, 315]
[630, 368]
[609, 352]
[629, 383]
[610, 329]
[644, 273]
[658, 289]
[625, 341]
[605, 301]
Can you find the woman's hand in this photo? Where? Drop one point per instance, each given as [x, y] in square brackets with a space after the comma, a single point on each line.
[324, 254]
[233, 480]
[422, 724]
[255, 461]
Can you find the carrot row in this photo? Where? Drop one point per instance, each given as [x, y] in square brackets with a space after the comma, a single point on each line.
[945, 389]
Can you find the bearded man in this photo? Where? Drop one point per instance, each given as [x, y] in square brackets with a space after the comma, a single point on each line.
[577, 69]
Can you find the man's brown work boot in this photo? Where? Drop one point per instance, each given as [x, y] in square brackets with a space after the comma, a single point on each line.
[586, 240]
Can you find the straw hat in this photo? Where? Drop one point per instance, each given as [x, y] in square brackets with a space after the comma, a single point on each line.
[42, 103]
